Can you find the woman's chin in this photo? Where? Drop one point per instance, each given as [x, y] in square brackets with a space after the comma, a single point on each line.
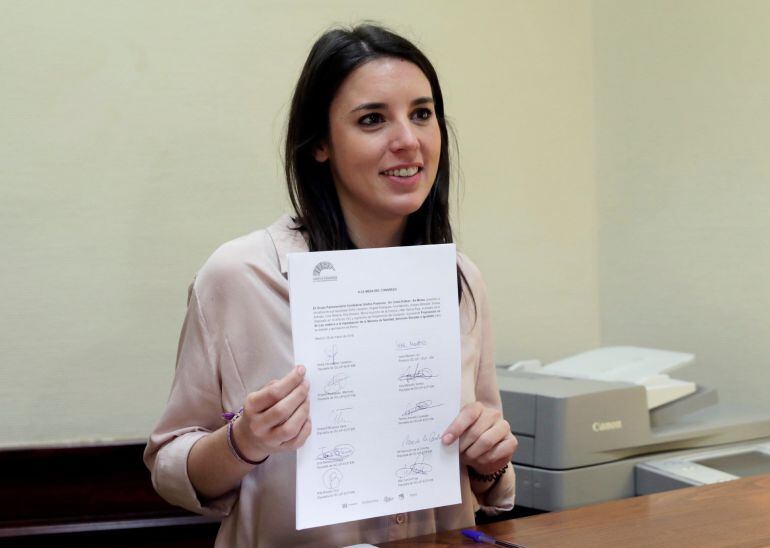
[408, 204]
[404, 210]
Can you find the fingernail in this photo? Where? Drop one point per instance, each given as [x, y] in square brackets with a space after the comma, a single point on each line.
[447, 438]
[301, 369]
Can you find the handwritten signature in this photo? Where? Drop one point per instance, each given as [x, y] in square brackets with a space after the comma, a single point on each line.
[332, 478]
[418, 373]
[418, 467]
[331, 353]
[337, 454]
[339, 415]
[425, 404]
[411, 344]
[336, 384]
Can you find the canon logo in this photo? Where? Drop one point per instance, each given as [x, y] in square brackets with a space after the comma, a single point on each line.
[604, 426]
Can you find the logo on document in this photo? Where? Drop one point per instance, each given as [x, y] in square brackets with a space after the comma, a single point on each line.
[324, 272]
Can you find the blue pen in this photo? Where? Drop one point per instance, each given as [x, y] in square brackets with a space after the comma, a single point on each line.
[478, 536]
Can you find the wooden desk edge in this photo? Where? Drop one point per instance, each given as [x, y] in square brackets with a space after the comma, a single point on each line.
[723, 514]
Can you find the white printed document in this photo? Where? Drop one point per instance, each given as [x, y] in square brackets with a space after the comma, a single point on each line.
[379, 333]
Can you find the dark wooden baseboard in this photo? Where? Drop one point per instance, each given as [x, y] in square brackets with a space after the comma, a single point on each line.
[97, 495]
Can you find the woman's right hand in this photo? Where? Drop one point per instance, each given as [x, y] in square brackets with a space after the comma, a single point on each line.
[275, 418]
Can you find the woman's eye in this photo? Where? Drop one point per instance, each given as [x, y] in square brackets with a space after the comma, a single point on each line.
[422, 114]
[371, 119]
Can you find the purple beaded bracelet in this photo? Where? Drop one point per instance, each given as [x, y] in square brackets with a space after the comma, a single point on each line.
[231, 417]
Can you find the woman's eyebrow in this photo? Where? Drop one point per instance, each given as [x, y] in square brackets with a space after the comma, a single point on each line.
[422, 101]
[370, 106]
[383, 106]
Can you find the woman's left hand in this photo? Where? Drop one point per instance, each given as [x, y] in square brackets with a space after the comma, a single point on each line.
[486, 442]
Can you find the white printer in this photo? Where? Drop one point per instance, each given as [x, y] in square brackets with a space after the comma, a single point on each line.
[611, 423]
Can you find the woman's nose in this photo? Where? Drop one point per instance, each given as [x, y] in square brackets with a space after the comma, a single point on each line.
[404, 137]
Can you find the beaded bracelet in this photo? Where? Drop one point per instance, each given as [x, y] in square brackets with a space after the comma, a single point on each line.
[473, 474]
[231, 417]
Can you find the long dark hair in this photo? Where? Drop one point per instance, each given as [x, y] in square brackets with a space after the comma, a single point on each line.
[336, 54]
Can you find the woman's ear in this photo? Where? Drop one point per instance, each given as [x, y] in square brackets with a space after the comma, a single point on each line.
[321, 152]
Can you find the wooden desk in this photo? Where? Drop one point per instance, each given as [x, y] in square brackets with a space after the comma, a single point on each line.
[735, 514]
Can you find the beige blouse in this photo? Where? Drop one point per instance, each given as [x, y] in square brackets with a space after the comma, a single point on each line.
[237, 337]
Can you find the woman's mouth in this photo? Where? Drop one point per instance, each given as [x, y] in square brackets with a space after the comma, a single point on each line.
[404, 176]
[402, 172]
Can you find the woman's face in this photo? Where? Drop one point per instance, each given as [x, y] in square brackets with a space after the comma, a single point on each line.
[384, 141]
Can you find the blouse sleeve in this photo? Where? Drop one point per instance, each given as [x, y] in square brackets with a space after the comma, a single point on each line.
[193, 410]
[500, 497]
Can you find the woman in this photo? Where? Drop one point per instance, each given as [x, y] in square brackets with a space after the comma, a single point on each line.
[367, 164]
